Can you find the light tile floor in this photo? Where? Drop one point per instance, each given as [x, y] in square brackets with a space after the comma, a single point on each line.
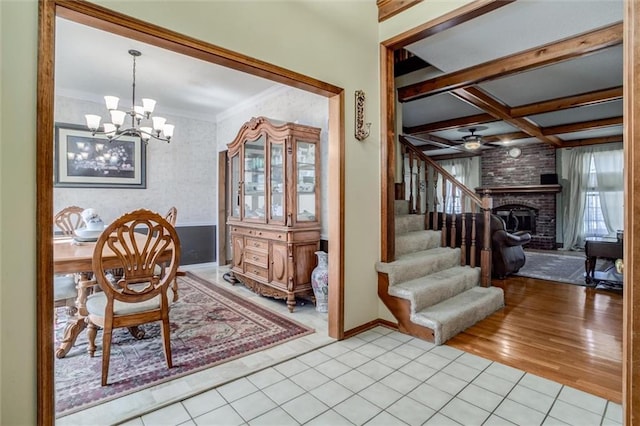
[379, 377]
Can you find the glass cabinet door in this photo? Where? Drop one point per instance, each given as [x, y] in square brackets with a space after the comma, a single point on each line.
[254, 179]
[276, 174]
[306, 181]
[235, 186]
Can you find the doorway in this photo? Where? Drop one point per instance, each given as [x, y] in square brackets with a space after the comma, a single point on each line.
[99, 17]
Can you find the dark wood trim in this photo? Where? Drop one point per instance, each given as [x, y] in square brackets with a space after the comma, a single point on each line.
[389, 8]
[44, 212]
[388, 161]
[446, 21]
[631, 310]
[470, 120]
[505, 137]
[106, 19]
[368, 326]
[570, 48]
[222, 209]
[484, 101]
[126, 26]
[584, 125]
[592, 141]
[586, 99]
[518, 189]
[336, 214]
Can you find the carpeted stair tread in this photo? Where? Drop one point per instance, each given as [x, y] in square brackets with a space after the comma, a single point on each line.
[432, 289]
[460, 312]
[417, 241]
[409, 222]
[413, 265]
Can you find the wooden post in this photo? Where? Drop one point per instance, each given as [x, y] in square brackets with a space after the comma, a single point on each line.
[444, 212]
[485, 255]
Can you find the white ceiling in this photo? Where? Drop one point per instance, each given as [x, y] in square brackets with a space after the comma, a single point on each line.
[511, 29]
[91, 63]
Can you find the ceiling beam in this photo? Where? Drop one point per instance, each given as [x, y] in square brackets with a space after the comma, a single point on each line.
[506, 137]
[570, 48]
[585, 99]
[592, 141]
[471, 120]
[482, 100]
[431, 140]
[582, 126]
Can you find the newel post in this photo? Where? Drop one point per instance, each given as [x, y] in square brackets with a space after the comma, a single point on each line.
[485, 254]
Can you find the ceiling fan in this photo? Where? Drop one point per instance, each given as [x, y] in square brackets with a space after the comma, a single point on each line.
[472, 141]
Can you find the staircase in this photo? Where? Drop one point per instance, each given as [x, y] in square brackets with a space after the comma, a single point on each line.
[426, 289]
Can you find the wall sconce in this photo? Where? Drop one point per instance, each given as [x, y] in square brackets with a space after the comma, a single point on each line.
[362, 128]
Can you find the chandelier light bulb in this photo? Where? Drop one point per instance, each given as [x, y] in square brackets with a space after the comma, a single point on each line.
[158, 123]
[148, 105]
[117, 117]
[93, 121]
[145, 133]
[168, 130]
[109, 130]
[111, 102]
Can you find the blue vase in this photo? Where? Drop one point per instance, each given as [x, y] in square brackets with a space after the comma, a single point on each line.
[320, 282]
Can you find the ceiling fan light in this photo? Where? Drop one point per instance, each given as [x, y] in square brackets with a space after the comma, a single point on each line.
[472, 145]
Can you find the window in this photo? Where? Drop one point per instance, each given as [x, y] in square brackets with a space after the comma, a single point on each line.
[453, 194]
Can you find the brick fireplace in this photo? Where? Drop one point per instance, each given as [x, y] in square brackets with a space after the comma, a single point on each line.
[514, 183]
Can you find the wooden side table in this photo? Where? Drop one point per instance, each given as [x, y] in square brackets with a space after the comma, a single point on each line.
[600, 247]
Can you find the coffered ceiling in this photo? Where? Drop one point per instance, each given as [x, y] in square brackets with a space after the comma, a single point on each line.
[526, 72]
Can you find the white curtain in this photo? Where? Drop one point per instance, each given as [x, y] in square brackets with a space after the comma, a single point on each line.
[608, 162]
[608, 165]
[460, 168]
[575, 194]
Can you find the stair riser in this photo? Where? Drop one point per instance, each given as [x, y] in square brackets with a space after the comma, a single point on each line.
[409, 223]
[418, 267]
[412, 242]
[429, 296]
[401, 207]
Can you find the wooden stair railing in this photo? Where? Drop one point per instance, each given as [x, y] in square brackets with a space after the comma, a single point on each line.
[443, 217]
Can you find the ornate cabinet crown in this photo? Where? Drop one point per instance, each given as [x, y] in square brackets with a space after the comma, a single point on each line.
[275, 207]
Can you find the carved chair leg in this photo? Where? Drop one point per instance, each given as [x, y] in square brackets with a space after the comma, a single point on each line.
[166, 341]
[92, 331]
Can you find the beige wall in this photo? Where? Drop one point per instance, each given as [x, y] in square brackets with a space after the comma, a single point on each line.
[331, 41]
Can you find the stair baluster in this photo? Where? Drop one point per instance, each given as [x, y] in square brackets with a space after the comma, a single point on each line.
[453, 217]
[443, 228]
[434, 220]
[412, 209]
[426, 196]
[418, 209]
[463, 231]
[473, 240]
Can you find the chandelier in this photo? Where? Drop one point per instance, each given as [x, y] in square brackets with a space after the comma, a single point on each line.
[158, 130]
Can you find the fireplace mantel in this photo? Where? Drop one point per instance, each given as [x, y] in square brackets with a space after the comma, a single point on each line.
[519, 189]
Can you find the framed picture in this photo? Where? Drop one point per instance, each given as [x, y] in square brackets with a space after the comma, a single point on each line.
[85, 161]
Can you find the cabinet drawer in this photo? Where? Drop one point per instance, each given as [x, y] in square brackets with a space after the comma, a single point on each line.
[256, 271]
[272, 235]
[256, 244]
[258, 258]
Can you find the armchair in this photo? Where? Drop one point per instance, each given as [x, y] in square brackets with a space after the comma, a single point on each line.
[508, 256]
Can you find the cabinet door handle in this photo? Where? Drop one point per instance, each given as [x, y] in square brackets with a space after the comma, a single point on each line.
[255, 258]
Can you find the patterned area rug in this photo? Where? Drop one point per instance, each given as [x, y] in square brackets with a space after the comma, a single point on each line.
[209, 326]
[558, 267]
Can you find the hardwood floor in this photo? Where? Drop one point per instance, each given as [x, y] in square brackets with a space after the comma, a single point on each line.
[566, 333]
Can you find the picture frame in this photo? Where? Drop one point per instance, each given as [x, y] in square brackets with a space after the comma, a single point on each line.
[82, 160]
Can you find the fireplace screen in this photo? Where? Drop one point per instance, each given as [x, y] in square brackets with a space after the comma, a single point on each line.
[518, 217]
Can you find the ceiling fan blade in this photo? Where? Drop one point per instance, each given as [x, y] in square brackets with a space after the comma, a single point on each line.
[434, 143]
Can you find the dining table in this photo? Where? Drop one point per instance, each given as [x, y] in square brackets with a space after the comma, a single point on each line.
[75, 257]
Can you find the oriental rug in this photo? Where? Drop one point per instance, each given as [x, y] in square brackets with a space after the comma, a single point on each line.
[209, 325]
[558, 267]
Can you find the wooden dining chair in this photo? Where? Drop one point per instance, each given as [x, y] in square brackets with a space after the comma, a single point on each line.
[66, 221]
[136, 242]
[172, 216]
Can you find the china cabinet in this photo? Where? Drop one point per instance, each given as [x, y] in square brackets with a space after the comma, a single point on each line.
[274, 208]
